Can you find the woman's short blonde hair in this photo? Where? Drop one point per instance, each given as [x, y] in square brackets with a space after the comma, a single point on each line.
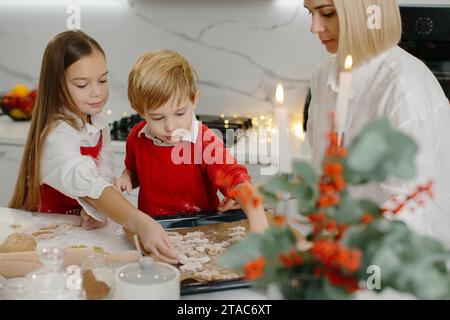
[156, 77]
[355, 36]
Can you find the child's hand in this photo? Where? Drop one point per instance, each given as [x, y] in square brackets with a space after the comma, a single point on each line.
[88, 223]
[123, 183]
[252, 203]
[257, 220]
[228, 204]
[155, 240]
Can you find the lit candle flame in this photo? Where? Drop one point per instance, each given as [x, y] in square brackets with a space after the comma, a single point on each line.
[298, 131]
[348, 63]
[280, 94]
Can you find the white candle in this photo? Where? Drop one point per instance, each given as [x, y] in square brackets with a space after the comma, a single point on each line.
[282, 118]
[345, 85]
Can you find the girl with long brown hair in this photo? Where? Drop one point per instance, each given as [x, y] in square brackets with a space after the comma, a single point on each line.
[67, 166]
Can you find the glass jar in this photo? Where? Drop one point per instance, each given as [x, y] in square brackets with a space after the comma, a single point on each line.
[97, 278]
[302, 287]
[2, 286]
[51, 282]
[307, 286]
[13, 289]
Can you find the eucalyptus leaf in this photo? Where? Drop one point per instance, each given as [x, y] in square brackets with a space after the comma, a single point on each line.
[400, 141]
[275, 241]
[334, 292]
[388, 261]
[355, 237]
[366, 154]
[401, 155]
[237, 255]
[305, 171]
[369, 207]
[306, 194]
[405, 169]
[348, 211]
[277, 184]
[380, 151]
[422, 281]
[354, 177]
[269, 198]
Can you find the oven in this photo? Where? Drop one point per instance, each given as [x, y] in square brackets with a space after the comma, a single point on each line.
[426, 35]
[231, 128]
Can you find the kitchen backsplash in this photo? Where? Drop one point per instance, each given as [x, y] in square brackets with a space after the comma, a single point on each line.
[240, 49]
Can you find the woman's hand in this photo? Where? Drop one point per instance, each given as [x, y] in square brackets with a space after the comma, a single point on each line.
[89, 223]
[156, 240]
[123, 183]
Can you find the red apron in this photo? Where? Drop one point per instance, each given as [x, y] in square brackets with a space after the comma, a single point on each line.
[53, 201]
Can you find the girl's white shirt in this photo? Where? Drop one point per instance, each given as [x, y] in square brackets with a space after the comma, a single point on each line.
[76, 176]
[400, 87]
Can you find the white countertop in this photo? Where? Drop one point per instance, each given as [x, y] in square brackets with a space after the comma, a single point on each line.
[111, 238]
[15, 133]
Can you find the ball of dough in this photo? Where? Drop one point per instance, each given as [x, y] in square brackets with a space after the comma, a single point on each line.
[18, 242]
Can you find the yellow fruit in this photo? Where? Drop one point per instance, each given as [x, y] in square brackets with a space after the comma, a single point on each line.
[17, 113]
[20, 90]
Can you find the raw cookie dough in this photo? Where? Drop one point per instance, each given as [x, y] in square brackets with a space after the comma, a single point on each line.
[198, 254]
[18, 242]
[93, 288]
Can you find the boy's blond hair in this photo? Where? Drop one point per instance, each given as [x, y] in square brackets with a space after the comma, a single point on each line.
[156, 77]
[357, 39]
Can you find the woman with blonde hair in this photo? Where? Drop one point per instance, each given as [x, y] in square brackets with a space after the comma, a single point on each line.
[387, 82]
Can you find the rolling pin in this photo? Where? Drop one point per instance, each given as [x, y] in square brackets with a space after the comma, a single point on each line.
[18, 264]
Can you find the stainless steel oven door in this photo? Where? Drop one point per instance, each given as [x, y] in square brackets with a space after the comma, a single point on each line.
[443, 76]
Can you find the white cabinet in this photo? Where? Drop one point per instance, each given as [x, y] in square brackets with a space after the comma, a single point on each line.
[10, 158]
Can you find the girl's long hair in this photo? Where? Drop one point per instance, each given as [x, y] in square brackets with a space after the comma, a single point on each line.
[53, 98]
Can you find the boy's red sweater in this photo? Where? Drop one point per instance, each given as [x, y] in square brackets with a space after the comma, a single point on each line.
[190, 183]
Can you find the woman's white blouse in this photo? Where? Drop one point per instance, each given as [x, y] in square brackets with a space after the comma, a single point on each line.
[76, 176]
[400, 87]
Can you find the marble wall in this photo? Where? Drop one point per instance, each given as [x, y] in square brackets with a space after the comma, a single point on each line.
[240, 48]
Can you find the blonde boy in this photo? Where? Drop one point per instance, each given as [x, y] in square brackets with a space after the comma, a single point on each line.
[162, 89]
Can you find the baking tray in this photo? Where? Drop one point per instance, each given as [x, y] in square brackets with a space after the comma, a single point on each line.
[199, 219]
[191, 286]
